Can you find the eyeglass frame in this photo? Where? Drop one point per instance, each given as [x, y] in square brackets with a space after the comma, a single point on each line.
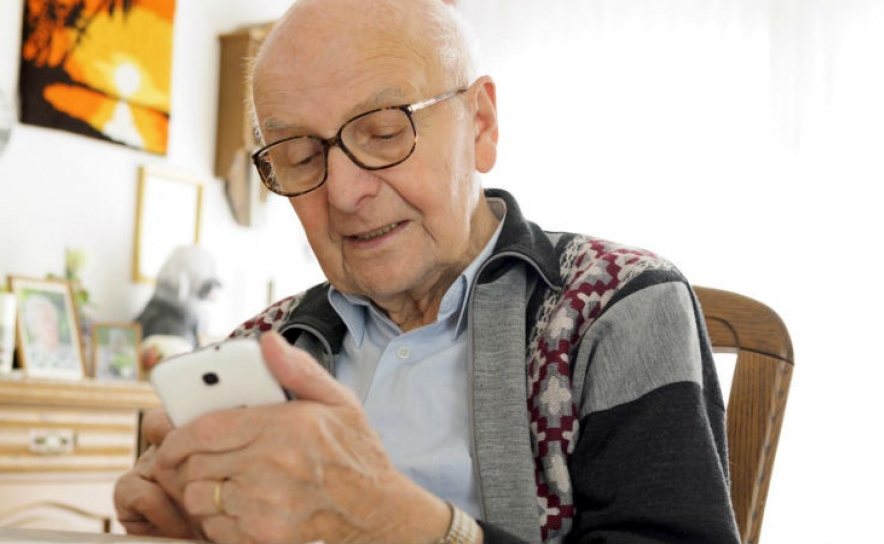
[328, 143]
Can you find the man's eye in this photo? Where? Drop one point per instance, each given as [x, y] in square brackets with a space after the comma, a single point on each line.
[300, 160]
[307, 160]
[389, 135]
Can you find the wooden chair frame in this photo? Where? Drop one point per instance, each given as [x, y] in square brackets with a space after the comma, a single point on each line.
[758, 395]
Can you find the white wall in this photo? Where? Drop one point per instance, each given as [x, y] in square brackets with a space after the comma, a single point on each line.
[740, 138]
[744, 140]
[60, 190]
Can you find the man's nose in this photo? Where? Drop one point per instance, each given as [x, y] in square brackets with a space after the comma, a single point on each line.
[347, 183]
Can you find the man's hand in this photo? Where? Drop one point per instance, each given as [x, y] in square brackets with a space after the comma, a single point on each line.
[143, 508]
[310, 469]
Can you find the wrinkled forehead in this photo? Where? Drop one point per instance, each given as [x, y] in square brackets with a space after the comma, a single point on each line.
[342, 71]
[342, 60]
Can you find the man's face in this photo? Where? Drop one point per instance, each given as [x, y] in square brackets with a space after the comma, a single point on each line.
[388, 232]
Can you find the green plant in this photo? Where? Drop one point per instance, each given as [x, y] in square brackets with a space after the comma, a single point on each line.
[74, 262]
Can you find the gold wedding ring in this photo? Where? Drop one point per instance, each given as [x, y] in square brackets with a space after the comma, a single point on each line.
[219, 502]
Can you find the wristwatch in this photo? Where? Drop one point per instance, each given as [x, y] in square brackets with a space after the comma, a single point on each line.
[463, 528]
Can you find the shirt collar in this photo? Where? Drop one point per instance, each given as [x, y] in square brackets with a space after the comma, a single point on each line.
[354, 310]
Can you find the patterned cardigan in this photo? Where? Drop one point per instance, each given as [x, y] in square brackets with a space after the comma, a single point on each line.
[597, 415]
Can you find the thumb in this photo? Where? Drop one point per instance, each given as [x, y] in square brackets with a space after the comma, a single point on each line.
[155, 426]
[298, 371]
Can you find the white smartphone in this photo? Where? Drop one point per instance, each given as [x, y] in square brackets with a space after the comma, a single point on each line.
[230, 374]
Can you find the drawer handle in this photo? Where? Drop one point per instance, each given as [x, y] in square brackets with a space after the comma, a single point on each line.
[52, 441]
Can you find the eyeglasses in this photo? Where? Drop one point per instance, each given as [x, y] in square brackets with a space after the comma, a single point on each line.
[373, 140]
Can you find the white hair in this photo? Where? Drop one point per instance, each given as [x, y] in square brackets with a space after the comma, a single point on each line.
[456, 45]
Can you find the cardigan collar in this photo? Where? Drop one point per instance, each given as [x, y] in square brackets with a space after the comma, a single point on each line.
[519, 239]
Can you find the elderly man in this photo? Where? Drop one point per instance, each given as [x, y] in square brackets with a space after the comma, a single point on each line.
[463, 376]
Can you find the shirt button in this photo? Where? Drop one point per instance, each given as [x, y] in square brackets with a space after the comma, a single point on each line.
[403, 352]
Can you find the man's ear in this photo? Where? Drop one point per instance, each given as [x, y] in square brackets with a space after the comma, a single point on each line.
[485, 121]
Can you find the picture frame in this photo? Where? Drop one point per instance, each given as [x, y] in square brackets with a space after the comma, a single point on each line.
[116, 351]
[168, 215]
[48, 329]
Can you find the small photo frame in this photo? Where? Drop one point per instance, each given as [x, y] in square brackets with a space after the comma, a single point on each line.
[167, 216]
[48, 330]
[116, 349]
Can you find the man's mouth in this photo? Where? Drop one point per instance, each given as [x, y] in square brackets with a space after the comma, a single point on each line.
[376, 233]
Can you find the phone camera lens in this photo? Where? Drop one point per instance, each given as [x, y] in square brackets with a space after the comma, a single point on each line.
[210, 378]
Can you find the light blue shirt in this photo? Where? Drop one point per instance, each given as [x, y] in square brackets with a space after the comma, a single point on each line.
[415, 387]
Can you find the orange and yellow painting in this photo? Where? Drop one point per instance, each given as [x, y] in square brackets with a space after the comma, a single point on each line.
[100, 68]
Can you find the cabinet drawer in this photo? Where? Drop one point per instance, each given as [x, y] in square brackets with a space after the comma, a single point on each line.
[84, 504]
[64, 439]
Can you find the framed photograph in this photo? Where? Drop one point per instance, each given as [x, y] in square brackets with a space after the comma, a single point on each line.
[48, 330]
[116, 350]
[168, 216]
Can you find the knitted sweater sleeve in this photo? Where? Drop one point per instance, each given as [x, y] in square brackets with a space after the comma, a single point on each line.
[650, 465]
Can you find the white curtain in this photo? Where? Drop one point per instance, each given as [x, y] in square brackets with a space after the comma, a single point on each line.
[744, 140]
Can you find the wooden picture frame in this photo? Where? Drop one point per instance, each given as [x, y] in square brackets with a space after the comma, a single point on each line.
[167, 216]
[48, 329]
[116, 351]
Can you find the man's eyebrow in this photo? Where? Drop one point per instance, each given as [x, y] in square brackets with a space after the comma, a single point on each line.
[390, 96]
[272, 124]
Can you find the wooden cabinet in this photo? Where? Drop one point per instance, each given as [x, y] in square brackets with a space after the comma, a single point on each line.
[62, 447]
[235, 135]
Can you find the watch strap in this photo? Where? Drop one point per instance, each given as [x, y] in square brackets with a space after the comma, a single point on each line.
[463, 529]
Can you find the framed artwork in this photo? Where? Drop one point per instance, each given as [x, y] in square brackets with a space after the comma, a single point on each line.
[88, 67]
[48, 332]
[168, 216]
[116, 350]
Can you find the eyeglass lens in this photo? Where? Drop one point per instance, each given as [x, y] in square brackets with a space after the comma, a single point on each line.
[373, 141]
